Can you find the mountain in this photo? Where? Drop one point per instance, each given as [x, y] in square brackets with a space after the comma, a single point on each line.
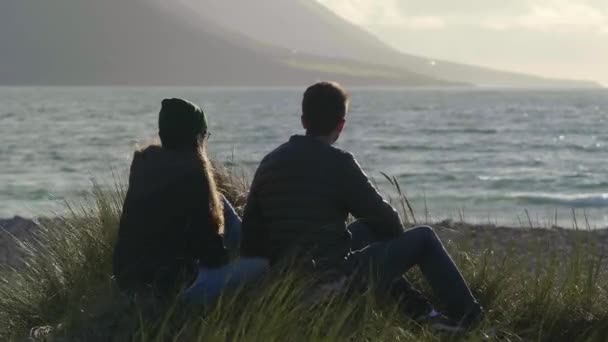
[308, 27]
[158, 42]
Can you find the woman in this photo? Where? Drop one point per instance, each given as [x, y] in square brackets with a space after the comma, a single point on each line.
[174, 218]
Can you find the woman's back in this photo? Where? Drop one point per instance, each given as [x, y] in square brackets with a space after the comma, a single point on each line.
[167, 228]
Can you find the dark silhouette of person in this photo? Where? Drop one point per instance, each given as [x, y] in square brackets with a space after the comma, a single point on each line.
[174, 219]
[300, 199]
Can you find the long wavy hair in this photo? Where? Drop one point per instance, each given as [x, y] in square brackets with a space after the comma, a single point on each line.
[199, 144]
[216, 206]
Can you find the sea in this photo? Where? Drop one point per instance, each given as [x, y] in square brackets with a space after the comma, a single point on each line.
[487, 156]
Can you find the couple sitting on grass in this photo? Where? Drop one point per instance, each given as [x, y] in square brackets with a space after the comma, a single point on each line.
[178, 232]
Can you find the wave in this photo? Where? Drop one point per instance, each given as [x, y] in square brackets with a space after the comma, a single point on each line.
[494, 178]
[569, 200]
[8, 115]
[392, 147]
[417, 147]
[419, 108]
[403, 147]
[583, 148]
[459, 130]
[430, 175]
[593, 147]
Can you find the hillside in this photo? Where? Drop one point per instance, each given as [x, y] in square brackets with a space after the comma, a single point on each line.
[306, 26]
[148, 42]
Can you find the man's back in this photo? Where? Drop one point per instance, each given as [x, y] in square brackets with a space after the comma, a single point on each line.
[301, 196]
[300, 199]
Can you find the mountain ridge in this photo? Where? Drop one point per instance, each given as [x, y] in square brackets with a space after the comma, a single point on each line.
[147, 42]
[209, 43]
[313, 28]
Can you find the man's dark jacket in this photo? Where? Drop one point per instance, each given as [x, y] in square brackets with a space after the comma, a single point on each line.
[300, 199]
[165, 229]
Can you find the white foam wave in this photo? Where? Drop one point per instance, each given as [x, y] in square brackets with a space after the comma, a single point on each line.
[595, 200]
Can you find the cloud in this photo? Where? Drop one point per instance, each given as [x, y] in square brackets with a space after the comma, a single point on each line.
[387, 13]
[425, 23]
[559, 17]
[556, 38]
[357, 11]
[360, 12]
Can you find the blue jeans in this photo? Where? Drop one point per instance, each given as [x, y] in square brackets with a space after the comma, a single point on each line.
[210, 283]
[385, 262]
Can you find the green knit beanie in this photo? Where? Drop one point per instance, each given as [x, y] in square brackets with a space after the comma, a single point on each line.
[180, 121]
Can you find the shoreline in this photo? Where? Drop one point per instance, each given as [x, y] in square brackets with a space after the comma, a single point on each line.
[538, 243]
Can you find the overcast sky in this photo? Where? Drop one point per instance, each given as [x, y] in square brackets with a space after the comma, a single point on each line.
[557, 38]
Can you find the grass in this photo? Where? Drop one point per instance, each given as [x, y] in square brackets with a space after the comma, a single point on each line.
[66, 293]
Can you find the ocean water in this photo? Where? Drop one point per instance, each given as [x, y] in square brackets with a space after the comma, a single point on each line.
[484, 155]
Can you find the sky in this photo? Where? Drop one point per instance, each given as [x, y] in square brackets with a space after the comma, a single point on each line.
[554, 38]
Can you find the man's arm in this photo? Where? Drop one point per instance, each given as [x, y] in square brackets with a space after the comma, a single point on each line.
[365, 203]
[255, 236]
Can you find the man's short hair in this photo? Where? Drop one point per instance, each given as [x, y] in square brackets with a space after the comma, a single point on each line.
[324, 105]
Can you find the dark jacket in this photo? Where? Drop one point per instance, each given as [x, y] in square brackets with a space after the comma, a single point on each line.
[165, 229]
[300, 198]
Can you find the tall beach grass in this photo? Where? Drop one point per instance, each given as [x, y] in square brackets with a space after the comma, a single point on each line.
[65, 292]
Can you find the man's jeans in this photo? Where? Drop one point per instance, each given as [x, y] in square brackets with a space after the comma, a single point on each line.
[210, 283]
[387, 261]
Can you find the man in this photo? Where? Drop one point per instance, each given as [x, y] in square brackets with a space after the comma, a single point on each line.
[300, 199]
